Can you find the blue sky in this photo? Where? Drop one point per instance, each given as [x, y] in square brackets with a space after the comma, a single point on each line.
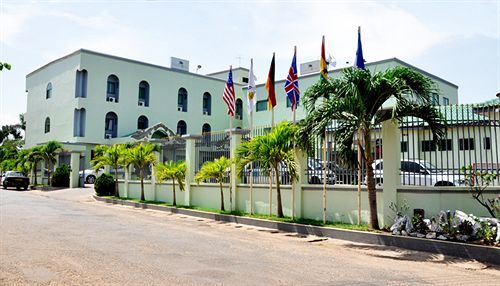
[456, 40]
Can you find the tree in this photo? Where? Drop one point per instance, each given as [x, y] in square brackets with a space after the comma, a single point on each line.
[28, 159]
[142, 156]
[353, 104]
[5, 65]
[9, 150]
[49, 152]
[113, 156]
[477, 181]
[272, 150]
[217, 169]
[174, 171]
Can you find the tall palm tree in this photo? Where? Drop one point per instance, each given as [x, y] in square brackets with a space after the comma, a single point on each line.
[174, 171]
[142, 156]
[272, 150]
[28, 159]
[113, 156]
[353, 104]
[217, 170]
[49, 152]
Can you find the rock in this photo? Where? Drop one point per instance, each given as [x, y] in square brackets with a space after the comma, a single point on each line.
[427, 222]
[404, 233]
[419, 235]
[462, 237]
[431, 235]
[459, 217]
[442, 237]
[399, 223]
[412, 234]
[434, 226]
[498, 233]
[408, 225]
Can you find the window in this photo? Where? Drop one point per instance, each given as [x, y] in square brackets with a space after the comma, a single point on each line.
[110, 125]
[81, 84]
[79, 123]
[466, 144]
[445, 145]
[182, 100]
[48, 92]
[244, 79]
[412, 167]
[206, 128]
[487, 143]
[446, 101]
[113, 89]
[428, 146]
[404, 146]
[207, 104]
[47, 125]
[239, 109]
[261, 105]
[143, 93]
[289, 103]
[142, 122]
[435, 99]
[181, 127]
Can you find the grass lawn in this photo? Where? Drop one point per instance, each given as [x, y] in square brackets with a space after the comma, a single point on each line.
[362, 227]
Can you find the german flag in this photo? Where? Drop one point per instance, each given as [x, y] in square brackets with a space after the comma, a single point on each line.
[271, 97]
[322, 63]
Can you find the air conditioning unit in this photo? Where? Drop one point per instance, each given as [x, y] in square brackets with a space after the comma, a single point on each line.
[205, 113]
[179, 108]
[108, 136]
[142, 103]
[111, 99]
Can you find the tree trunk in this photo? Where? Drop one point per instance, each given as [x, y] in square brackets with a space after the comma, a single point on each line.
[278, 194]
[117, 193]
[370, 181]
[141, 173]
[35, 176]
[221, 196]
[174, 203]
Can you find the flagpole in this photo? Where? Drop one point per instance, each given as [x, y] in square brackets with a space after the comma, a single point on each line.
[232, 159]
[324, 179]
[294, 121]
[251, 165]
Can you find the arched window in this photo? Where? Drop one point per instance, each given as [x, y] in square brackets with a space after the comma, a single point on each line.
[47, 125]
[113, 89]
[79, 123]
[143, 93]
[182, 100]
[110, 125]
[81, 84]
[207, 104]
[142, 122]
[48, 92]
[239, 109]
[206, 128]
[181, 127]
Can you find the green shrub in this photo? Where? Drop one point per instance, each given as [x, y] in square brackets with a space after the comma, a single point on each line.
[104, 185]
[60, 178]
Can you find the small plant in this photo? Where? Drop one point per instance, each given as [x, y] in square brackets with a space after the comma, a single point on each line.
[419, 224]
[465, 228]
[60, 178]
[398, 210]
[477, 182]
[104, 185]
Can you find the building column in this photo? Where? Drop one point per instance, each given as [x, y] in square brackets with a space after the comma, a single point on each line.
[190, 164]
[153, 175]
[235, 141]
[301, 159]
[391, 152]
[74, 177]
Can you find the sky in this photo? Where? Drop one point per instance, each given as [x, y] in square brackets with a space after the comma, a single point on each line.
[458, 41]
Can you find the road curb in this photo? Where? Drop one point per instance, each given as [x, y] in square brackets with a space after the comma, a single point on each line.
[470, 251]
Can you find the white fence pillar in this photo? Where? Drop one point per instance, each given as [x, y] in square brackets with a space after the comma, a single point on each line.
[236, 137]
[391, 152]
[301, 158]
[74, 177]
[190, 164]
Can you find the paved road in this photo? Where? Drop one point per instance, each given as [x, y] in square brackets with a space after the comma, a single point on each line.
[66, 238]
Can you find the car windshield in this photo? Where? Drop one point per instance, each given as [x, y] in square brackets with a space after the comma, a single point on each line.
[315, 165]
[14, 174]
[431, 168]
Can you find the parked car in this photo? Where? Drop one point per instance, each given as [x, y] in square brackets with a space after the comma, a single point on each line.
[90, 175]
[15, 179]
[419, 172]
[316, 175]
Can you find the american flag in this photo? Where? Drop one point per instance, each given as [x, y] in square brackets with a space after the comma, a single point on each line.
[229, 96]
[292, 83]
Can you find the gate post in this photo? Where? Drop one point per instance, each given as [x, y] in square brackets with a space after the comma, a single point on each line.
[190, 164]
[391, 153]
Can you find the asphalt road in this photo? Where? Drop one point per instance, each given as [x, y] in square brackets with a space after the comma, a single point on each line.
[66, 238]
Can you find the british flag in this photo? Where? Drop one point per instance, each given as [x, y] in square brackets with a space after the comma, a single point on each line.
[292, 83]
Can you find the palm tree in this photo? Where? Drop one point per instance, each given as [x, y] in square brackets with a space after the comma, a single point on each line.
[49, 152]
[353, 104]
[217, 170]
[174, 171]
[142, 156]
[113, 156]
[29, 158]
[272, 150]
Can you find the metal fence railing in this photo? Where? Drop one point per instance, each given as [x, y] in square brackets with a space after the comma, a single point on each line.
[212, 145]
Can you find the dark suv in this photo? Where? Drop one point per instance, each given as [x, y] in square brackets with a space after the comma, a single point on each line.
[15, 179]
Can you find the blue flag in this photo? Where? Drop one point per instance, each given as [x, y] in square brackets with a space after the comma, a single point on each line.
[360, 61]
[292, 83]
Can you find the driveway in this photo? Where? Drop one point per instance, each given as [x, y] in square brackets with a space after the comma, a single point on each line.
[65, 237]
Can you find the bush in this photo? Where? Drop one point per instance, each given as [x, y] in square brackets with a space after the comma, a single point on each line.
[104, 185]
[60, 178]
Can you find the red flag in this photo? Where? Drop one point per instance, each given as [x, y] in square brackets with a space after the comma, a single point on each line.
[271, 98]
[229, 96]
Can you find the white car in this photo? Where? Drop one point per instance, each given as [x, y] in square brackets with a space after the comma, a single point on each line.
[90, 175]
[419, 172]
